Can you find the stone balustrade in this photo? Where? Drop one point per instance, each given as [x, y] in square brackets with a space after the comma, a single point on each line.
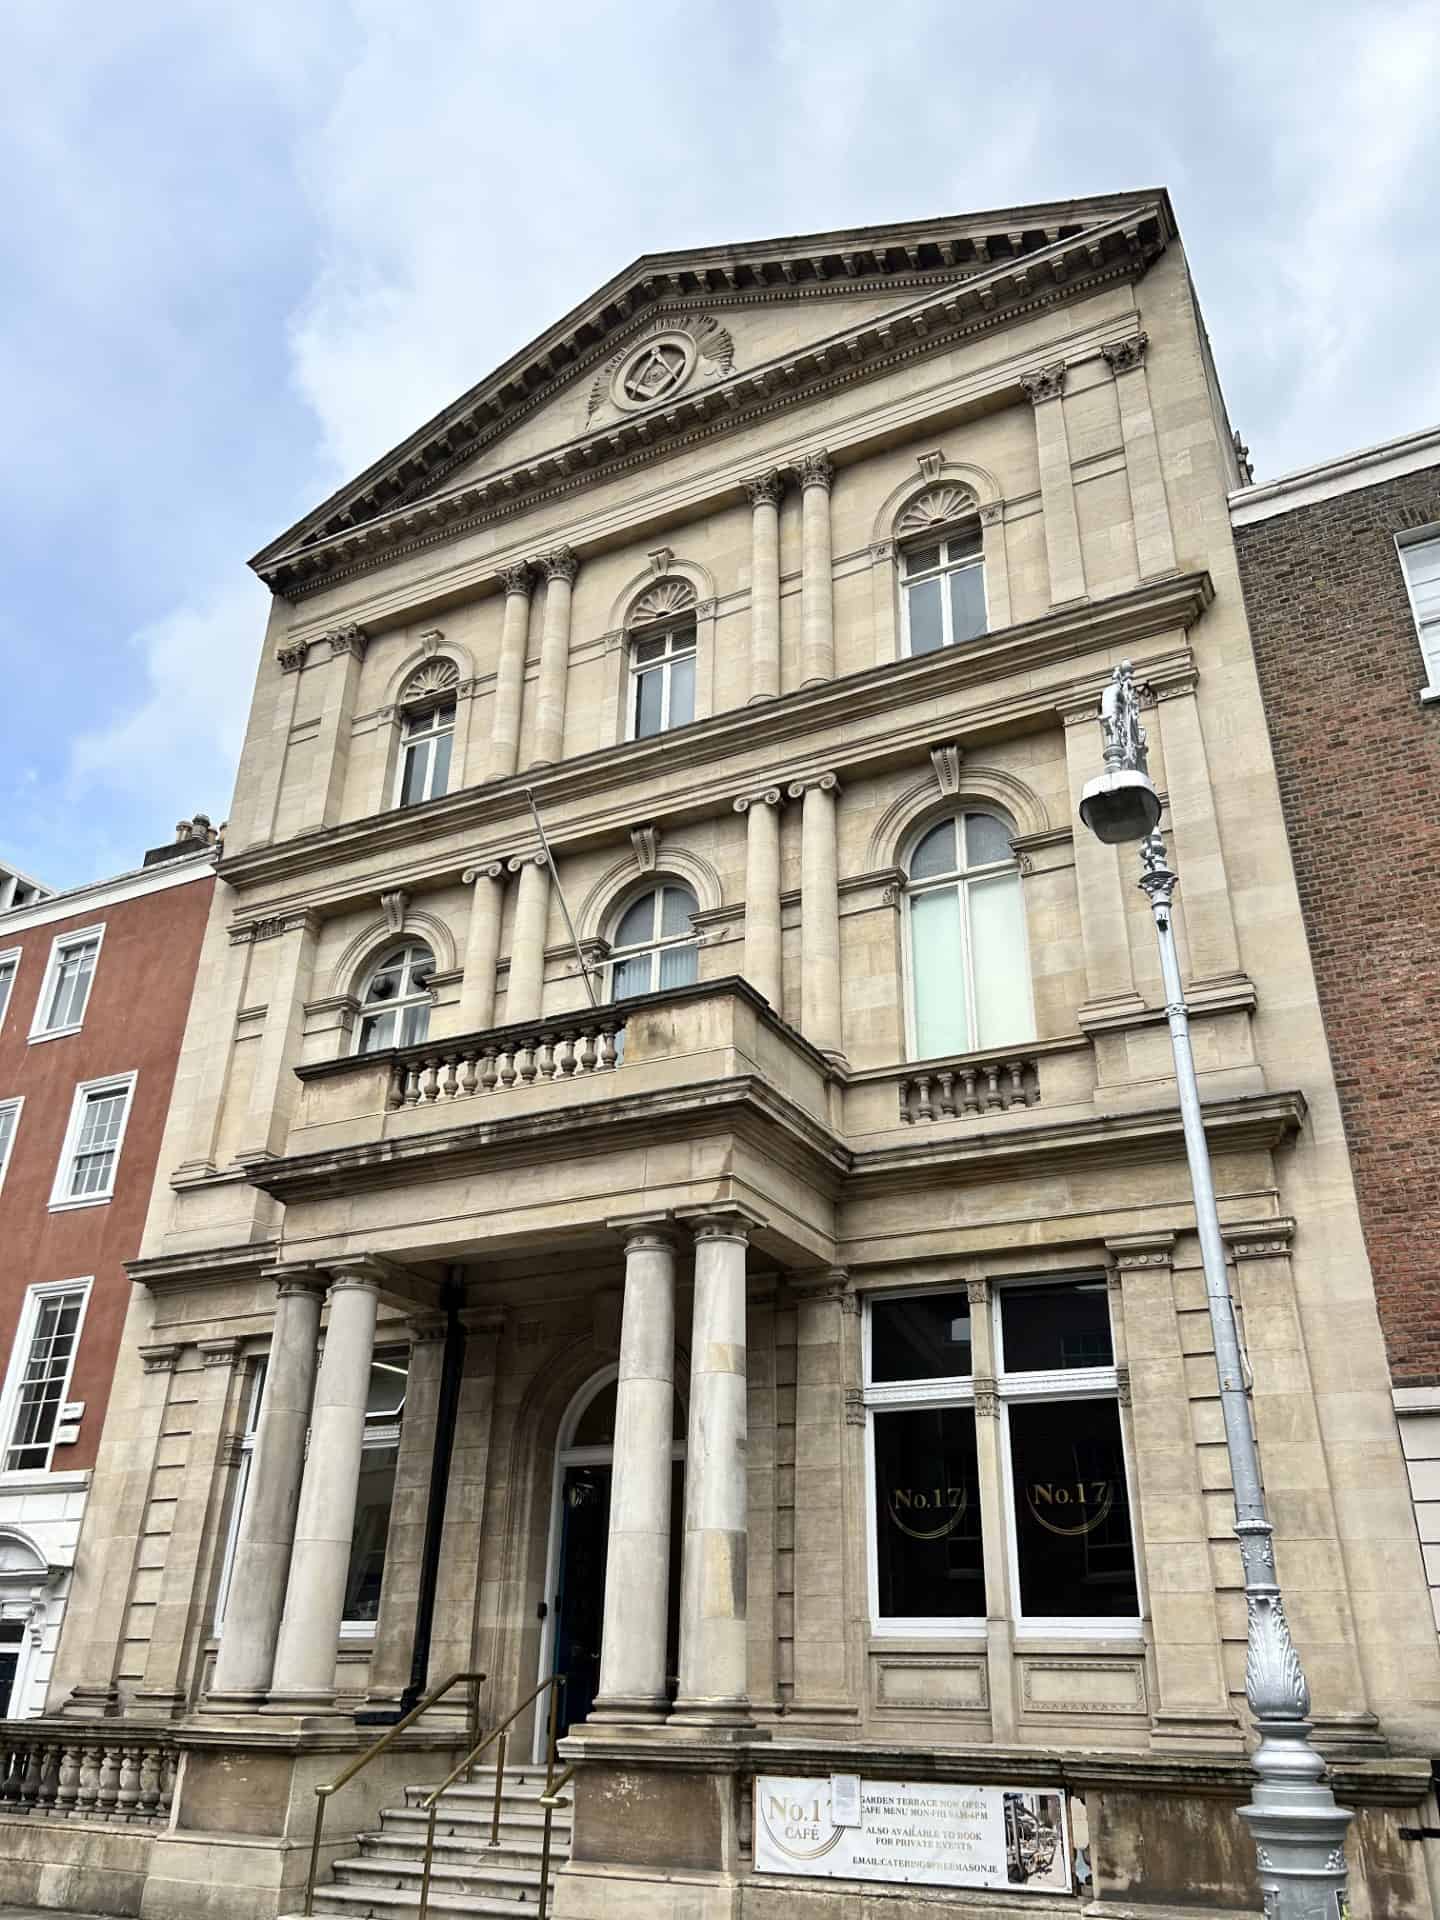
[121, 1774]
[572, 1045]
[954, 1091]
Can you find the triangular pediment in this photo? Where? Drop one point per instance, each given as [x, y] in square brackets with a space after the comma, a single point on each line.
[695, 341]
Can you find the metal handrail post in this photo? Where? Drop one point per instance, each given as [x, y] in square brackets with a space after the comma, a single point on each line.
[549, 1801]
[429, 1860]
[499, 1788]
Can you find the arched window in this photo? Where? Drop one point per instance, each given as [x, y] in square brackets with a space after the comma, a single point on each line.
[660, 693]
[942, 570]
[969, 969]
[395, 1006]
[427, 723]
[654, 945]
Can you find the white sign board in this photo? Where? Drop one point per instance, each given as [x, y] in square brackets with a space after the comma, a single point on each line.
[933, 1833]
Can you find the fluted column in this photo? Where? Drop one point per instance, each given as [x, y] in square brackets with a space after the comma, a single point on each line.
[762, 963]
[820, 1019]
[261, 1569]
[482, 945]
[637, 1571]
[525, 995]
[518, 582]
[817, 585]
[548, 740]
[1057, 483]
[764, 491]
[325, 1524]
[713, 1562]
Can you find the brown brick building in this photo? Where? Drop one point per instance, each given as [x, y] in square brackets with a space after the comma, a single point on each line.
[95, 985]
[1341, 572]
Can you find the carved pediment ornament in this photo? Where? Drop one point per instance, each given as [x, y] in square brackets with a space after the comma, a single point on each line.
[428, 682]
[663, 601]
[660, 560]
[657, 367]
[936, 507]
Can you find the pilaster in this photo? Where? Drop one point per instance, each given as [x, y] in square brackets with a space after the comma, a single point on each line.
[1100, 889]
[274, 1088]
[1209, 918]
[325, 790]
[458, 1607]
[1149, 508]
[822, 1680]
[762, 962]
[1045, 390]
[994, 1521]
[394, 1648]
[821, 1019]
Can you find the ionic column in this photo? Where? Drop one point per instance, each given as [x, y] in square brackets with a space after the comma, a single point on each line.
[525, 995]
[637, 1576]
[548, 740]
[1104, 930]
[325, 1524]
[482, 945]
[713, 1562]
[1057, 483]
[1149, 509]
[764, 492]
[817, 585]
[258, 1579]
[762, 892]
[518, 582]
[820, 1019]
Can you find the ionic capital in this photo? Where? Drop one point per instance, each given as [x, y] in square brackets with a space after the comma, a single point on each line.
[815, 470]
[561, 563]
[486, 870]
[1048, 383]
[1123, 356]
[765, 489]
[519, 578]
[768, 797]
[521, 860]
[825, 782]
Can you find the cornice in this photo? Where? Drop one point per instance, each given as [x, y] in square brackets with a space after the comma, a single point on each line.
[217, 1266]
[616, 776]
[417, 514]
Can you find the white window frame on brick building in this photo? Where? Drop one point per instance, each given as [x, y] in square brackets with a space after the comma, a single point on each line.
[108, 1141]
[1419, 551]
[9, 974]
[10, 1111]
[65, 991]
[27, 1359]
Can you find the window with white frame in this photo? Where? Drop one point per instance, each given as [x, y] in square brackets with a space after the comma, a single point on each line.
[1063, 1488]
[90, 1157]
[427, 734]
[662, 680]
[943, 585]
[9, 967]
[1420, 558]
[42, 1360]
[9, 1127]
[395, 1004]
[65, 990]
[654, 945]
[966, 951]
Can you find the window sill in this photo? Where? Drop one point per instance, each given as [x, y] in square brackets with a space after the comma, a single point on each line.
[1031, 1636]
[41, 1480]
[54, 1033]
[893, 1634]
[1429, 696]
[84, 1200]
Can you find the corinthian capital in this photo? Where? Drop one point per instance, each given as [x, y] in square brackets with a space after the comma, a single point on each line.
[1121, 356]
[815, 470]
[1047, 384]
[766, 488]
[518, 579]
[347, 639]
[561, 563]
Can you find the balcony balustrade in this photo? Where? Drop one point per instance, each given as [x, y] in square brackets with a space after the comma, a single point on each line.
[116, 1774]
[486, 1063]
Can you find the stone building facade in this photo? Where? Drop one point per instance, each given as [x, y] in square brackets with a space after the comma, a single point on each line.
[803, 1346]
[1339, 565]
[89, 1041]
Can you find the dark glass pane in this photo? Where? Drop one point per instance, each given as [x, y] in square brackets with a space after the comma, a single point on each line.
[414, 1024]
[986, 840]
[376, 1030]
[650, 649]
[924, 1337]
[928, 1553]
[637, 923]
[386, 1397]
[649, 692]
[967, 603]
[935, 854]
[963, 546]
[682, 691]
[676, 906]
[1072, 1511]
[922, 559]
[440, 778]
[632, 976]
[926, 632]
[682, 640]
[412, 786]
[372, 1528]
[1065, 1326]
[596, 1425]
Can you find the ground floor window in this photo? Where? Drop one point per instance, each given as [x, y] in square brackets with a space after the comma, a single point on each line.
[1059, 1470]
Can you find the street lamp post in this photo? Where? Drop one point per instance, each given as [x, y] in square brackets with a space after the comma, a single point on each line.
[1298, 1830]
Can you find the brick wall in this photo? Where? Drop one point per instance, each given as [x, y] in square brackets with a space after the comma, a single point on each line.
[1358, 758]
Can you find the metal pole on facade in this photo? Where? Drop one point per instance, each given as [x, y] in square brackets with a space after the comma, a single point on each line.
[1298, 1830]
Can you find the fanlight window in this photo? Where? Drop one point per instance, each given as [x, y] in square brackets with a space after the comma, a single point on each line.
[395, 1006]
[969, 969]
[942, 571]
[662, 660]
[427, 733]
[654, 945]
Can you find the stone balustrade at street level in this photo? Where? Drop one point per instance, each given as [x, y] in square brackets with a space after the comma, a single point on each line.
[111, 1773]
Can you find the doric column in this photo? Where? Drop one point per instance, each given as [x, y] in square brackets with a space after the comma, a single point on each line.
[518, 581]
[764, 492]
[820, 1020]
[1057, 484]
[994, 1521]
[394, 1650]
[637, 1571]
[525, 995]
[273, 1086]
[762, 892]
[548, 739]
[325, 1523]
[713, 1562]
[330, 758]
[261, 1570]
[821, 1646]
[1149, 509]
[1104, 930]
[482, 945]
[817, 585]
[1209, 918]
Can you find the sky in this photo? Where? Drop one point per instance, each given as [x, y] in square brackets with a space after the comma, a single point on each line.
[247, 246]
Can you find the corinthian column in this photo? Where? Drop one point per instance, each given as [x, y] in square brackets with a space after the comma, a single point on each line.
[482, 945]
[764, 492]
[510, 672]
[762, 892]
[817, 586]
[820, 913]
[559, 568]
[525, 995]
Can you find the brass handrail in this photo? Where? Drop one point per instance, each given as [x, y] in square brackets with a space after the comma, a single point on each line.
[473, 1682]
[467, 1767]
[550, 1800]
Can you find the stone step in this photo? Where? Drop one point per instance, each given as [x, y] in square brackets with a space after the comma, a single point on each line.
[520, 1861]
[527, 1789]
[384, 1903]
[465, 1876]
[457, 1823]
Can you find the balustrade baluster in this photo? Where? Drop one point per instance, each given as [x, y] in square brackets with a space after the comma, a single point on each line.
[109, 1783]
[429, 1081]
[545, 1058]
[1015, 1095]
[167, 1781]
[525, 1061]
[488, 1074]
[507, 1067]
[585, 1053]
[49, 1776]
[565, 1049]
[149, 1783]
[9, 1780]
[947, 1092]
[129, 1789]
[967, 1090]
[89, 1780]
[992, 1086]
[467, 1081]
[923, 1109]
[30, 1778]
[905, 1113]
[608, 1049]
[67, 1783]
[412, 1086]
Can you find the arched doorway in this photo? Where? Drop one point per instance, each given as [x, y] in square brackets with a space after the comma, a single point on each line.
[574, 1599]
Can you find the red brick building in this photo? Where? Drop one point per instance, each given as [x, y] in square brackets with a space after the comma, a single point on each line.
[94, 989]
[1341, 570]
